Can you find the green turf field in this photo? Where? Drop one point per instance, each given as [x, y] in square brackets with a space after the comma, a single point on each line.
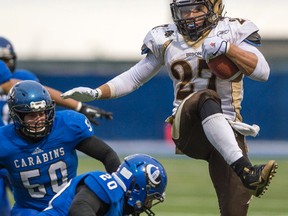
[190, 192]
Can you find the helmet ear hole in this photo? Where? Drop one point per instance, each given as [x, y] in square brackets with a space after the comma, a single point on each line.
[137, 188]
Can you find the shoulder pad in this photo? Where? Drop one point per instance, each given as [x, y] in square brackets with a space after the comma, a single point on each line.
[239, 29]
[254, 39]
[158, 39]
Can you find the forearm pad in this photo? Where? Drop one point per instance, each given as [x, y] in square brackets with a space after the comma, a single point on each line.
[101, 151]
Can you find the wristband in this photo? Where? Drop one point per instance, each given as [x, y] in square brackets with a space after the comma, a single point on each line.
[98, 93]
[79, 106]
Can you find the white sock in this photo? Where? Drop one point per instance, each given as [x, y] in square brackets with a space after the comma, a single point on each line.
[221, 136]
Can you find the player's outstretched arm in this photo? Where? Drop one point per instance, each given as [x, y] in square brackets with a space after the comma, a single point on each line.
[121, 85]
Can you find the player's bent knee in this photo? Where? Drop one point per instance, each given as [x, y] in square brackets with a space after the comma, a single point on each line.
[209, 104]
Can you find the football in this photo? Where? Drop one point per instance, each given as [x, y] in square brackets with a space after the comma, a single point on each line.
[223, 67]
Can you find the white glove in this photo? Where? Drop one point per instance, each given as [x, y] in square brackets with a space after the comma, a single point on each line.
[214, 46]
[82, 94]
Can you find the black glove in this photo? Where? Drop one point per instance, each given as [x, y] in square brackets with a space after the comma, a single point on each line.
[92, 112]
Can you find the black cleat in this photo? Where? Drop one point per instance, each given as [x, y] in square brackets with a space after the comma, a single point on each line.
[258, 177]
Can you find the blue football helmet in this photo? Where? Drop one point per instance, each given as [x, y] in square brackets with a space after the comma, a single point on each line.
[31, 97]
[144, 180]
[188, 26]
[7, 53]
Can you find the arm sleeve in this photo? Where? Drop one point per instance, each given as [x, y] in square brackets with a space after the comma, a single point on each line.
[136, 76]
[262, 70]
[101, 151]
[86, 203]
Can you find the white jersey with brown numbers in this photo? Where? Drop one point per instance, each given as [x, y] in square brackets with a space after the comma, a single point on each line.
[190, 72]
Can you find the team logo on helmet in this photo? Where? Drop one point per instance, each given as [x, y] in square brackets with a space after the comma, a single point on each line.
[153, 174]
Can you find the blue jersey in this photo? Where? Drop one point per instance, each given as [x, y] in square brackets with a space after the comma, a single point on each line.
[20, 74]
[23, 74]
[5, 73]
[39, 170]
[102, 184]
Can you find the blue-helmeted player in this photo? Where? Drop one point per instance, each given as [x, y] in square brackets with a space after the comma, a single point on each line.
[138, 184]
[39, 148]
[9, 75]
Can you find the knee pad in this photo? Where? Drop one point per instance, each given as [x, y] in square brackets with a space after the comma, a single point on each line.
[209, 105]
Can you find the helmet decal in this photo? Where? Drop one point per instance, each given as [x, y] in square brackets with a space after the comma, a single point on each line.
[38, 104]
[153, 174]
[125, 173]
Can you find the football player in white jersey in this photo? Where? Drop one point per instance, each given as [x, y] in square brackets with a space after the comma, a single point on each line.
[206, 120]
